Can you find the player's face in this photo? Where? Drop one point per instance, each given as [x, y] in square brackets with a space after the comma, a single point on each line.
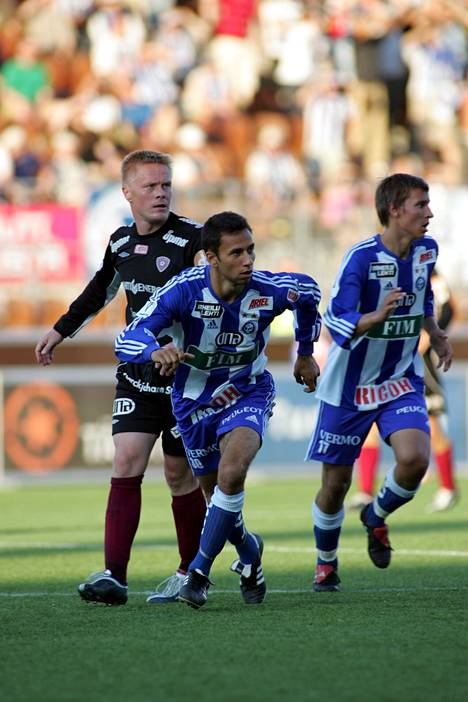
[414, 214]
[235, 258]
[148, 189]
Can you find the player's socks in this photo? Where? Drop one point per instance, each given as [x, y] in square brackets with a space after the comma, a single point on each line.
[245, 543]
[221, 516]
[189, 514]
[122, 518]
[368, 464]
[327, 528]
[444, 461]
[390, 498]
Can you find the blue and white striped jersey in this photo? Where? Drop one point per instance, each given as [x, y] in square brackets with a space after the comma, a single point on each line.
[366, 371]
[227, 340]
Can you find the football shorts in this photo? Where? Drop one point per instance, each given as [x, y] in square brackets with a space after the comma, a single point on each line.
[340, 431]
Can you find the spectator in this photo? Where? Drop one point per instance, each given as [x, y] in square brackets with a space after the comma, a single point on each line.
[273, 174]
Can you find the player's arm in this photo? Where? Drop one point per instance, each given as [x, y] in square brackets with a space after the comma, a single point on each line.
[304, 299]
[343, 318]
[138, 341]
[100, 290]
[342, 314]
[439, 341]
[386, 309]
[167, 358]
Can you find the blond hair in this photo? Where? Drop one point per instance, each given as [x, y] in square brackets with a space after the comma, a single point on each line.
[132, 159]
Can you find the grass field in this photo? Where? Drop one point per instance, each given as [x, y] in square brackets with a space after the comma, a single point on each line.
[392, 635]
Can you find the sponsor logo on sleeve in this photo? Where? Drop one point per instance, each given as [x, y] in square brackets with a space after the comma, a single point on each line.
[115, 245]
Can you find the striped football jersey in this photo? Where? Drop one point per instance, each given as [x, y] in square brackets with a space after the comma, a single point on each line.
[366, 371]
[227, 340]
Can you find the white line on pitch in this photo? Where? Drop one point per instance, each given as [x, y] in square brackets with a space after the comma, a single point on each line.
[273, 591]
[8, 545]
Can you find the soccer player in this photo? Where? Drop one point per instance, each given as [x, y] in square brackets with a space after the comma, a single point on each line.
[447, 494]
[142, 257]
[380, 301]
[219, 318]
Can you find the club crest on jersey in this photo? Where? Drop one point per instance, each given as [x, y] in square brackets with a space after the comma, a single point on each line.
[379, 270]
[427, 256]
[420, 283]
[141, 249]
[261, 303]
[162, 262]
[249, 328]
[207, 309]
[293, 295]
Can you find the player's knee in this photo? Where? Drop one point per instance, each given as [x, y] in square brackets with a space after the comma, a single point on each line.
[336, 482]
[231, 479]
[179, 477]
[129, 461]
[414, 462]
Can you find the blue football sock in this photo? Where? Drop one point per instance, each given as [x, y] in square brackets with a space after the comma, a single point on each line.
[245, 543]
[221, 516]
[327, 528]
[390, 497]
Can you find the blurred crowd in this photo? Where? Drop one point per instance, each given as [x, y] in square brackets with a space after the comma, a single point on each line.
[279, 101]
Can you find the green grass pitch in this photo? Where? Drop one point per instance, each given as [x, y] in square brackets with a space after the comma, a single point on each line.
[390, 636]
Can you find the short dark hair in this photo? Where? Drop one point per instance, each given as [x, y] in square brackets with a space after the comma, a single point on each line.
[219, 224]
[143, 156]
[394, 190]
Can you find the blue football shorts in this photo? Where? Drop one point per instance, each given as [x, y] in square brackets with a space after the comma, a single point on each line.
[202, 428]
[340, 431]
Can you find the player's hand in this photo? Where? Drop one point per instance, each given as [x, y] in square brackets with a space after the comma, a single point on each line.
[44, 350]
[389, 304]
[443, 348]
[168, 358]
[306, 371]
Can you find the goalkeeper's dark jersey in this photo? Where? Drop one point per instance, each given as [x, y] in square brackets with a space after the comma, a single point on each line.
[142, 264]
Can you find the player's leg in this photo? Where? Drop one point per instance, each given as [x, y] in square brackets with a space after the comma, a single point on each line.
[132, 452]
[188, 509]
[442, 449]
[404, 424]
[367, 464]
[328, 514]
[188, 501]
[336, 442]
[224, 515]
[238, 432]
